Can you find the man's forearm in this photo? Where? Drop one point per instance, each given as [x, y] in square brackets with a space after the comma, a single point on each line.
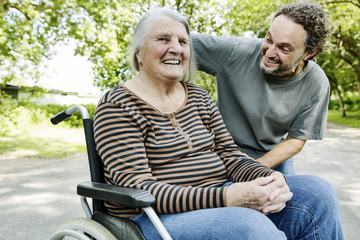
[281, 152]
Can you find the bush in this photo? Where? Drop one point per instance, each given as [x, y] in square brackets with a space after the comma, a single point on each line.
[20, 116]
[75, 120]
[351, 103]
[334, 104]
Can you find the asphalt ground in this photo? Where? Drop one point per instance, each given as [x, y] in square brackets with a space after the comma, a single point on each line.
[37, 195]
[337, 159]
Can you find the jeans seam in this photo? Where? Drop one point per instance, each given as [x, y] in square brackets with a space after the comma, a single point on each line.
[313, 222]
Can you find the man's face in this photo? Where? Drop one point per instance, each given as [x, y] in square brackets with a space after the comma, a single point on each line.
[283, 48]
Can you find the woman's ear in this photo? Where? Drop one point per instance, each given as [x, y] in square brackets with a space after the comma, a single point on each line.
[138, 58]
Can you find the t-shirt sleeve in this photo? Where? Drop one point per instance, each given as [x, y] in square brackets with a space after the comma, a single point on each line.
[212, 52]
[310, 124]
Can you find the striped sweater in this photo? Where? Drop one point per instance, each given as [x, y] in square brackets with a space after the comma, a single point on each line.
[182, 158]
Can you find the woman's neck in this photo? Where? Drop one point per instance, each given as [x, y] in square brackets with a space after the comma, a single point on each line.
[167, 96]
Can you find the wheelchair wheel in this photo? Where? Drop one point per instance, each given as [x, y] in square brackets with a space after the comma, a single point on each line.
[82, 229]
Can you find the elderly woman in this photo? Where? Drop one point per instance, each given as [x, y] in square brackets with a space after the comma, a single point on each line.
[159, 133]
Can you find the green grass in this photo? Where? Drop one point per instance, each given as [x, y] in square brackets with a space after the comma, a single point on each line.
[42, 141]
[27, 146]
[352, 118]
[26, 132]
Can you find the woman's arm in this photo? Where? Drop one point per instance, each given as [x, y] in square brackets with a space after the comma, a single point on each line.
[239, 166]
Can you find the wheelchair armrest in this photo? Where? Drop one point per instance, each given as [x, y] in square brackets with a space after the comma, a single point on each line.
[132, 197]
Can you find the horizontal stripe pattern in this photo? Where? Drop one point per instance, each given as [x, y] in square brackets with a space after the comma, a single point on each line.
[182, 158]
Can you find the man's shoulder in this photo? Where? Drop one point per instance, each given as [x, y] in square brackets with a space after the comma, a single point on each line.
[314, 71]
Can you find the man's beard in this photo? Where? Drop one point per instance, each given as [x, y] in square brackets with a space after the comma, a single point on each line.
[281, 69]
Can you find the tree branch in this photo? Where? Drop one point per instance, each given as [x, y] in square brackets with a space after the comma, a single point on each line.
[8, 6]
[344, 1]
[351, 45]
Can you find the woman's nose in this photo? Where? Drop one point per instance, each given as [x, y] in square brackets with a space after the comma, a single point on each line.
[175, 46]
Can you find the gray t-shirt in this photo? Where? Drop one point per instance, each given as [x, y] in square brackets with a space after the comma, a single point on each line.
[258, 109]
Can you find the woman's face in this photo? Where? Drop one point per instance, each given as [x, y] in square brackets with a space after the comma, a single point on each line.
[165, 52]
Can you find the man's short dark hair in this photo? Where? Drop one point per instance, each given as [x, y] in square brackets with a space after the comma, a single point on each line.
[312, 18]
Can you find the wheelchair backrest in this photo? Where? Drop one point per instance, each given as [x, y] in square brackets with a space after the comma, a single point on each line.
[95, 162]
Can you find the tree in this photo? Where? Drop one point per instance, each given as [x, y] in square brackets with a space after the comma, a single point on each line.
[345, 34]
[340, 75]
[250, 17]
[106, 29]
[102, 30]
[28, 29]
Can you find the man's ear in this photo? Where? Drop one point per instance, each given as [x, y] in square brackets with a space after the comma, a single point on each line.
[310, 54]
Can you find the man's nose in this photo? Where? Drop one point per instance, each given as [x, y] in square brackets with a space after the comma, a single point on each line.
[271, 51]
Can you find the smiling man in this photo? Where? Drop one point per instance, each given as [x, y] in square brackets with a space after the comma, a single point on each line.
[272, 95]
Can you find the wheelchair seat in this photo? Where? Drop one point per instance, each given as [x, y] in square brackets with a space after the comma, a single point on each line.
[120, 228]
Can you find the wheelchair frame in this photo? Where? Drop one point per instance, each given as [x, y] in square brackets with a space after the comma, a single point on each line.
[96, 189]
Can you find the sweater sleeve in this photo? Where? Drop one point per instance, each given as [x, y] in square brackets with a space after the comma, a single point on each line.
[119, 136]
[240, 167]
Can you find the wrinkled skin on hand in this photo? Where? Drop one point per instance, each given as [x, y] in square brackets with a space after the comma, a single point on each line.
[264, 194]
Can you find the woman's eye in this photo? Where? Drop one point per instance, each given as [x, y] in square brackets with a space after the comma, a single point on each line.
[163, 39]
[183, 42]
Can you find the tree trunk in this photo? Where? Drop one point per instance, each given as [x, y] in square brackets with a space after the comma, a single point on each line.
[358, 80]
[343, 113]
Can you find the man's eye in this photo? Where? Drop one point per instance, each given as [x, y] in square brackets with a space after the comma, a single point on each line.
[163, 39]
[285, 49]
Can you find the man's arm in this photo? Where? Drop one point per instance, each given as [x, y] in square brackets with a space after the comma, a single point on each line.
[281, 152]
[212, 52]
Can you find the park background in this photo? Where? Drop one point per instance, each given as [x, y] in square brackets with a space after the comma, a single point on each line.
[34, 33]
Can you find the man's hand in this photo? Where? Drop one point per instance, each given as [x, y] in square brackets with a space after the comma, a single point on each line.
[264, 194]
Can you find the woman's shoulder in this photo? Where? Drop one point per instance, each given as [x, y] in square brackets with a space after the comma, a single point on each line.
[198, 94]
[195, 89]
[115, 95]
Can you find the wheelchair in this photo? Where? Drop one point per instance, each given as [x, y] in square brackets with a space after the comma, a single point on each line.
[98, 224]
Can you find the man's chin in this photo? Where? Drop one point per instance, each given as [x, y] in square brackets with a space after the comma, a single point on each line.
[267, 70]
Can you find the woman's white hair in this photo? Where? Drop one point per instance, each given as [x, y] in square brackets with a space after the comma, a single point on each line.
[142, 30]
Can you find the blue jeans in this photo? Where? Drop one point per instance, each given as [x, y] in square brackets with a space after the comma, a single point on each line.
[287, 167]
[312, 213]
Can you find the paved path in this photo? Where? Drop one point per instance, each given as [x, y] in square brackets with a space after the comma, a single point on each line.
[36, 195]
[337, 159]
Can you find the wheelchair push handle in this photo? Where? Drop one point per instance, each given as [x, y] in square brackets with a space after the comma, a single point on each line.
[64, 114]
